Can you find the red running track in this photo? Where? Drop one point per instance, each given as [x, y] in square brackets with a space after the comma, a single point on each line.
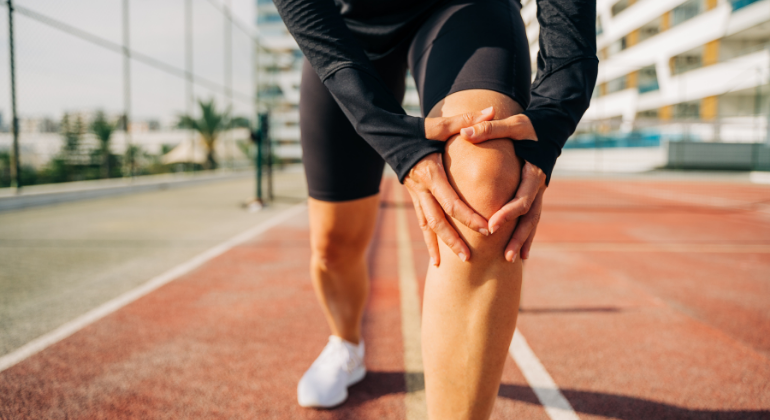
[627, 329]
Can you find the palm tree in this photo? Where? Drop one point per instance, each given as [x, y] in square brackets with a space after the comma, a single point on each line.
[103, 129]
[210, 124]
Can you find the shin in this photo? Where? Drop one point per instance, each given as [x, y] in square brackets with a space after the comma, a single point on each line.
[470, 308]
[340, 233]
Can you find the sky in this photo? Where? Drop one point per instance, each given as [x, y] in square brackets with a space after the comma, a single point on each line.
[57, 72]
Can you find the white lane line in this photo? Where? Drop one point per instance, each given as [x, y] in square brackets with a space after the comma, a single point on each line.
[556, 406]
[410, 315]
[113, 305]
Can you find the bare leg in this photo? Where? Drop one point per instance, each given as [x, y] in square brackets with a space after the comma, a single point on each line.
[470, 308]
[339, 235]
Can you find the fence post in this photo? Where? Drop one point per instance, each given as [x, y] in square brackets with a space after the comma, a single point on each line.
[260, 136]
[15, 167]
[228, 76]
[258, 164]
[129, 155]
[188, 64]
[269, 147]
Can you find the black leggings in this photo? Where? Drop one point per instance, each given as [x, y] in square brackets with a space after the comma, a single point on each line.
[464, 45]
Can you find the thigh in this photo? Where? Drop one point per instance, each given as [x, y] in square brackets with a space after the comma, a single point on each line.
[339, 164]
[471, 44]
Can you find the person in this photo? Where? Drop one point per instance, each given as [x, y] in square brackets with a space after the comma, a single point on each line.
[477, 194]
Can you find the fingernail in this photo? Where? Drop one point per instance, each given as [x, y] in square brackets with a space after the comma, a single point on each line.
[484, 232]
[510, 256]
[462, 257]
[487, 111]
[432, 261]
[492, 229]
[467, 132]
[513, 260]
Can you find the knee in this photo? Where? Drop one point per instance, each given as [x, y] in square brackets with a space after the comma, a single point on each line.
[485, 175]
[337, 251]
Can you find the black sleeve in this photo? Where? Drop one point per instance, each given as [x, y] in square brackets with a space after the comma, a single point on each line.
[566, 74]
[345, 70]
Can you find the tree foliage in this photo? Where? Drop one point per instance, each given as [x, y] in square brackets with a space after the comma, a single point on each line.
[210, 125]
[103, 129]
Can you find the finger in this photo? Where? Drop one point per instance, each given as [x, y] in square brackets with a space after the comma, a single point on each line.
[487, 130]
[520, 205]
[443, 128]
[524, 229]
[427, 235]
[437, 222]
[456, 208]
[528, 244]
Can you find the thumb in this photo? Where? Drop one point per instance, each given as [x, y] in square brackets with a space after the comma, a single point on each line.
[489, 130]
[442, 128]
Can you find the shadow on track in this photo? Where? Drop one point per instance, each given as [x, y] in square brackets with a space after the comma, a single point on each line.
[378, 384]
[629, 408]
[375, 385]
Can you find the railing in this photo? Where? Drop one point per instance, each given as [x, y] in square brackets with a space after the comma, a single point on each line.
[648, 87]
[653, 132]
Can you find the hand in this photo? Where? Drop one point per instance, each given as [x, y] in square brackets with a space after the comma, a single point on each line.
[528, 202]
[434, 198]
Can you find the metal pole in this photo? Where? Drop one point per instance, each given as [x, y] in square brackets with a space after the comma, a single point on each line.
[269, 146]
[255, 61]
[15, 167]
[767, 126]
[228, 55]
[262, 133]
[127, 87]
[188, 49]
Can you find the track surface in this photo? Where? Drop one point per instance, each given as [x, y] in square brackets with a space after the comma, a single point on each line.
[643, 300]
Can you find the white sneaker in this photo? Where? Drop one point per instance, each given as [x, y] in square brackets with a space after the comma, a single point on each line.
[325, 384]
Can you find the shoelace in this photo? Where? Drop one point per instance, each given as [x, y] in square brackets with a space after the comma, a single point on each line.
[336, 354]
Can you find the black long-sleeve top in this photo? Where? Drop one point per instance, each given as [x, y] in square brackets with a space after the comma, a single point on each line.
[339, 37]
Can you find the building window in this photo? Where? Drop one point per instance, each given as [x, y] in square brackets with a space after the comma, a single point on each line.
[650, 114]
[616, 85]
[687, 110]
[745, 42]
[686, 11]
[616, 46]
[687, 61]
[650, 30]
[648, 79]
[621, 6]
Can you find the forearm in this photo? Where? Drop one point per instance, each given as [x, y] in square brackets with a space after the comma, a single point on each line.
[566, 75]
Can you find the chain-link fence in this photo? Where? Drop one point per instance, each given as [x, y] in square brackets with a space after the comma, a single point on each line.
[103, 87]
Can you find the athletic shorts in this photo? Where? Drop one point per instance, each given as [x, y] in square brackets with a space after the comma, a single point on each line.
[463, 45]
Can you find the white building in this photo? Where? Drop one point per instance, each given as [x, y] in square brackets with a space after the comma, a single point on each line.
[698, 68]
[279, 69]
